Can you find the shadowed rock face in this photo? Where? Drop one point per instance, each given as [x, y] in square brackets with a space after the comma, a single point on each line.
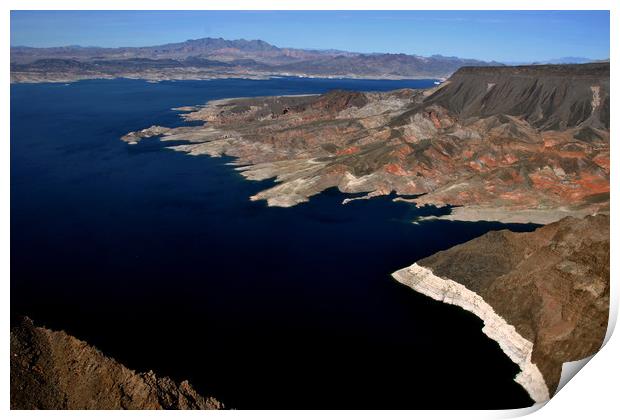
[513, 139]
[52, 370]
[547, 97]
[552, 285]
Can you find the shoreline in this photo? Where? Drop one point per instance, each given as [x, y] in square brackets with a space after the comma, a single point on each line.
[517, 348]
[296, 180]
[504, 215]
[208, 77]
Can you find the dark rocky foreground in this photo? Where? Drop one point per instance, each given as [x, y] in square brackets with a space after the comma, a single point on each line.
[551, 287]
[53, 370]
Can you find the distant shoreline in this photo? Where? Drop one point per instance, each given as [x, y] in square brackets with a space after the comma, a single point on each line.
[31, 77]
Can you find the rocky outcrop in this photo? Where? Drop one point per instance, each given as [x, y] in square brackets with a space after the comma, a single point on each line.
[543, 296]
[494, 141]
[547, 97]
[52, 370]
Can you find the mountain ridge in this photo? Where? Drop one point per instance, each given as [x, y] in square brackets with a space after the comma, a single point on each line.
[206, 58]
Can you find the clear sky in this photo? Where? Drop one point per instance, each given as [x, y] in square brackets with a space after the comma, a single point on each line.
[488, 35]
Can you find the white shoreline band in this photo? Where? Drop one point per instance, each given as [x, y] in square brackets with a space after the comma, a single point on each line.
[517, 348]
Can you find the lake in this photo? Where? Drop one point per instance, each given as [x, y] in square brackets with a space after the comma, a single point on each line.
[160, 260]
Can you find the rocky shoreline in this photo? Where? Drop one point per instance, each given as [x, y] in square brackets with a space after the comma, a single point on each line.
[149, 76]
[517, 348]
[536, 216]
[543, 296]
[461, 144]
[487, 143]
[186, 74]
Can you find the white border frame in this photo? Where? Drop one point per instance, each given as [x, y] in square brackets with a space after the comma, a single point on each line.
[592, 393]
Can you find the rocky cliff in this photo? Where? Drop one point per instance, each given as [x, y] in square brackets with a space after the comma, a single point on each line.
[543, 296]
[519, 144]
[548, 97]
[52, 370]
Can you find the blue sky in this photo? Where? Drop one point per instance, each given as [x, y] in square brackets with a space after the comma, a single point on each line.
[487, 35]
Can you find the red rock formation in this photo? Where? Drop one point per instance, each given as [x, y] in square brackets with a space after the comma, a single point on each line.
[517, 138]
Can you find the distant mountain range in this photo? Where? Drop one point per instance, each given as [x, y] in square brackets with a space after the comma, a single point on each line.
[216, 57]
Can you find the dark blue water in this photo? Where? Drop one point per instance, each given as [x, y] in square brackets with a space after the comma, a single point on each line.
[160, 260]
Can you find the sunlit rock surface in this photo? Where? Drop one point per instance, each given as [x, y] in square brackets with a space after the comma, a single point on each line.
[491, 140]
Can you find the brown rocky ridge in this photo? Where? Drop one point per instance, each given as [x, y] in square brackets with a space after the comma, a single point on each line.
[527, 143]
[543, 295]
[53, 370]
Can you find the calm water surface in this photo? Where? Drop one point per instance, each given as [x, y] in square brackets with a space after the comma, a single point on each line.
[160, 260]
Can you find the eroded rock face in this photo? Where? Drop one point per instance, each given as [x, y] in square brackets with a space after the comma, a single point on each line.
[531, 139]
[547, 97]
[550, 286]
[52, 370]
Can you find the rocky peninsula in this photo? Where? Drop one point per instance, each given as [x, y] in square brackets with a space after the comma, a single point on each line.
[52, 370]
[543, 296]
[490, 141]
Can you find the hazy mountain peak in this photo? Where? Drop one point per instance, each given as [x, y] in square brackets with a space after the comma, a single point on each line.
[207, 57]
